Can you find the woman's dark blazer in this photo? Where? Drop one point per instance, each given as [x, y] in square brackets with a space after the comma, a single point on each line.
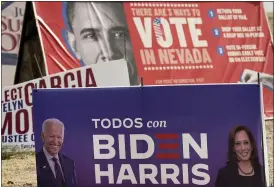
[228, 176]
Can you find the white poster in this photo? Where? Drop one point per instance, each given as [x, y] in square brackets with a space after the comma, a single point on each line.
[17, 126]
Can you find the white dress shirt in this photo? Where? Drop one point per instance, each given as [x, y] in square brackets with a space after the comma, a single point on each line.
[51, 162]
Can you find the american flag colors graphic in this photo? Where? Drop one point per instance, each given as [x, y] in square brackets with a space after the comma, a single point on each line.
[157, 28]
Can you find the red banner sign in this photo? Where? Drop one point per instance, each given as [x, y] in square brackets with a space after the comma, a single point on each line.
[162, 42]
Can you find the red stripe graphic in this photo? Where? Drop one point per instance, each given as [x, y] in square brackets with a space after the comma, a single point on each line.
[167, 156]
[167, 136]
[169, 146]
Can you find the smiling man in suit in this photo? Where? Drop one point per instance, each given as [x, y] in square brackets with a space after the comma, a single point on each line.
[53, 168]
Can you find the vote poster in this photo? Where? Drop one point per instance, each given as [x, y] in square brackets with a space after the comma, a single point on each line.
[163, 42]
[144, 136]
[17, 124]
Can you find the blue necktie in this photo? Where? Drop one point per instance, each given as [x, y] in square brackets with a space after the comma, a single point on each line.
[58, 173]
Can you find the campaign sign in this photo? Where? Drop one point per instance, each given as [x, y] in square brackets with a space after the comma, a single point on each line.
[17, 126]
[164, 42]
[11, 27]
[160, 135]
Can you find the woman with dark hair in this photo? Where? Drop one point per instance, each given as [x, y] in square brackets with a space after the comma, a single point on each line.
[242, 168]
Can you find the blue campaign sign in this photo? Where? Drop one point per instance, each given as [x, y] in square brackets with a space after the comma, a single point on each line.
[161, 135]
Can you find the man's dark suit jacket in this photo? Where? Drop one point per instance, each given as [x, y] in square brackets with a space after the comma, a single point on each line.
[45, 176]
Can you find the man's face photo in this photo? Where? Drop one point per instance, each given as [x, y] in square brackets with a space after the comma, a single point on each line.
[53, 136]
[99, 33]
